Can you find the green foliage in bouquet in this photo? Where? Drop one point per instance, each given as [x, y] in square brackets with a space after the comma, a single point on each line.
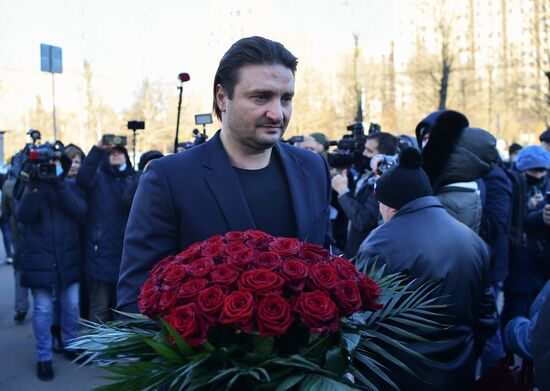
[294, 351]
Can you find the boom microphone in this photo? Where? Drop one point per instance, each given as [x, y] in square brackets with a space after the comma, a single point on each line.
[183, 77]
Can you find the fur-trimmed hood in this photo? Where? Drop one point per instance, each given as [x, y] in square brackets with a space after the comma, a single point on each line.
[455, 152]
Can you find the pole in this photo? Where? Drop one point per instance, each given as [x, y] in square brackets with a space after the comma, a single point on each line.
[134, 147]
[178, 120]
[53, 101]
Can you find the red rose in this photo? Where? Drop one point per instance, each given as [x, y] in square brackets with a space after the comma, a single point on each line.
[370, 293]
[262, 282]
[214, 250]
[318, 312]
[148, 299]
[235, 246]
[313, 253]
[212, 240]
[296, 273]
[174, 275]
[189, 254]
[200, 267]
[186, 321]
[258, 239]
[285, 247]
[238, 309]
[159, 267]
[241, 259]
[324, 276]
[234, 235]
[210, 302]
[224, 274]
[188, 291]
[345, 268]
[274, 316]
[167, 302]
[267, 260]
[348, 297]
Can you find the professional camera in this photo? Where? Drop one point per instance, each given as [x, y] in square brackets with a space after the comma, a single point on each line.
[200, 138]
[37, 164]
[351, 146]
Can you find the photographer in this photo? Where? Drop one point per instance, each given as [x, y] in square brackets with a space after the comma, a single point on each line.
[360, 207]
[105, 175]
[50, 211]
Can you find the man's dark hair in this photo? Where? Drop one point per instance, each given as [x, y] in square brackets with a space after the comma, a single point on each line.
[387, 143]
[249, 51]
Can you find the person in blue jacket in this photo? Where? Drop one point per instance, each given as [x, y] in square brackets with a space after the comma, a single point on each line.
[50, 212]
[105, 175]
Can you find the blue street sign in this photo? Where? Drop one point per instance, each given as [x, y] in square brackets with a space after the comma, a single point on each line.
[50, 59]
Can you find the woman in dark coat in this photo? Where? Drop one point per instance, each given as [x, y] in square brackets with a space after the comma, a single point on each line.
[105, 176]
[50, 212]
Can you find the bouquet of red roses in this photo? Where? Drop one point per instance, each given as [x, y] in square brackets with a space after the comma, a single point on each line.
[251, 311]
[253, 282]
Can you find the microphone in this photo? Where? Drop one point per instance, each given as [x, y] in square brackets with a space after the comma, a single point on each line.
[183, 77]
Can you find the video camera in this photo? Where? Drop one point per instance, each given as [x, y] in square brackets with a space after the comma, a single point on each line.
[351, 147]
[200, 138]
[34, 162]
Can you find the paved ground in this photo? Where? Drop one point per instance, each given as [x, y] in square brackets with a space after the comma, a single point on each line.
[17, 356]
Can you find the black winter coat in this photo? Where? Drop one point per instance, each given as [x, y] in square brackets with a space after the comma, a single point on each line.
[50, 218]
[362, 211]
[424, 242]
[496, 220]
[107, 214]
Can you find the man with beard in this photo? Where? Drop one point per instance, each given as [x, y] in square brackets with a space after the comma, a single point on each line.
[243, 178]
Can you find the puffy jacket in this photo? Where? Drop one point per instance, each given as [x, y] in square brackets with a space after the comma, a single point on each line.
[107, 214]
[424, 242]
[50, 246]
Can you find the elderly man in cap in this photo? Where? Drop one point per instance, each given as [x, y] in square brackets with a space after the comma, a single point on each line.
[420, 239]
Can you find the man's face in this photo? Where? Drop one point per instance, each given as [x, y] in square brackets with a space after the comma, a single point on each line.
[260, 110]
[116, 157]
[537, 173]
[75, 166]
[371, 148]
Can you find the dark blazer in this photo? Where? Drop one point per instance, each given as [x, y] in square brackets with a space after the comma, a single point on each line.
[188, 197]
[50, 242]
[424, 242]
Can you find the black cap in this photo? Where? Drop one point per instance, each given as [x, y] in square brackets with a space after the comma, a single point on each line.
[405, 182]
[514, 148]
[148, 156]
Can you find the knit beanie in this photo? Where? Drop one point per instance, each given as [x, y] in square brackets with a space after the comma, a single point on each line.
[405, 182]
[533, 156]
[148, 156]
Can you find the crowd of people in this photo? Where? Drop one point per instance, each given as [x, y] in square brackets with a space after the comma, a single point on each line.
[441, 205]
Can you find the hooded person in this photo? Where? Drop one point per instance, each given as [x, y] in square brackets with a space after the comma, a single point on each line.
[105, 175]
[49, 214]
[528, 267]
[420, 239]
[455, 156]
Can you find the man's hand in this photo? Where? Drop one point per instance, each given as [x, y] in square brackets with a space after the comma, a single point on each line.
[534, 201]
[546, 214]
[340, 182]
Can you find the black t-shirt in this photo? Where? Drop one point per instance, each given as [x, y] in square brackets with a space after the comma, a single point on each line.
[268, 196]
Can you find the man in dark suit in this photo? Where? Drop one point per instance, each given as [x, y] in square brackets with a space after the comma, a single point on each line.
[243, 178]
